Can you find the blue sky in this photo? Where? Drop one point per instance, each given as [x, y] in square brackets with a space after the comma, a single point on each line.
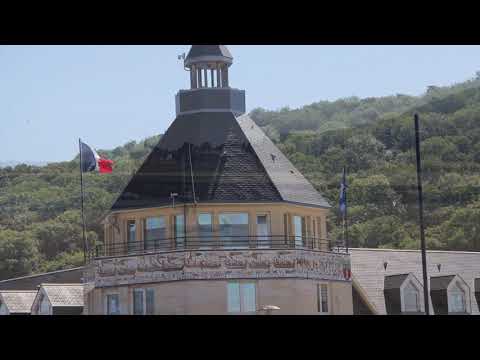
[108, 95]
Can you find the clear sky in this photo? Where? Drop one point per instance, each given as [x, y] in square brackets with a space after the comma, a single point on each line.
[108, 95]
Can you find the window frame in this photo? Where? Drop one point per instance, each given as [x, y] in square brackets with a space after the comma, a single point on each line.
[201, 241]
[106, 307]
[268, 242]
[165, 229]
[131, 245]
[221, 237]
[320, 309]
[144, 300]
[241, 284]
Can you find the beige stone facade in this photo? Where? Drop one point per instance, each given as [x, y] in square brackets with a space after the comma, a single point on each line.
[197, 297]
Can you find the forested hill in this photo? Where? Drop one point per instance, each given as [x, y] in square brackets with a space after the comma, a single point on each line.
[40, 226]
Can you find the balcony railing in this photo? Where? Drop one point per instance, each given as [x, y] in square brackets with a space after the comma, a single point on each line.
[216, 243]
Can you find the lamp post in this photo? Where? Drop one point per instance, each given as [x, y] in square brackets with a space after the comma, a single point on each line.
[420, 205]
[269, 309]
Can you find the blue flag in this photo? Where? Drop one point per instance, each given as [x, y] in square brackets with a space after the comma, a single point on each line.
[343, 194]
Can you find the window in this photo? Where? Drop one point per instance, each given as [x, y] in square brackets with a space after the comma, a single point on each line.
[234, 229]
[131, 235]
[299, 228]
[263, 232]
[113, 304]
[143, 301]
[44, 308]
[411, 297]
[154, 232]
[205, 229]
[456, 299]
[242, 297]
[322, 298]
[3, 309]
[179, 230]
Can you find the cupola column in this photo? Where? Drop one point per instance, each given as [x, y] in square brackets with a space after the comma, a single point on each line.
[193, 77]
[199, 77]
[219, 78]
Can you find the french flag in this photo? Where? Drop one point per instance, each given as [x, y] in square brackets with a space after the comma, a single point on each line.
[91, 161]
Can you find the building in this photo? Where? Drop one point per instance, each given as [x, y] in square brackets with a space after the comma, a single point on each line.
[16, 302]
[58, 299]
[216, 220]
[17, 295]
[387, 281]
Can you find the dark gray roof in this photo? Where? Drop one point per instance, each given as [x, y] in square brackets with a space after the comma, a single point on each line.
[232, 161]
[18, 301]
[477, 285]
[394, 281]
[31, 282]
[208, 50]
[369, 273]
[440, 282]
[290, 183]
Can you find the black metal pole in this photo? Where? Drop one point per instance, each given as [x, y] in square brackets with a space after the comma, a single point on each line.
[345, 220]
[83, 215]
[422, 230]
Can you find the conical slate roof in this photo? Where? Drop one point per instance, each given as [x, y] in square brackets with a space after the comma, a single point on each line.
[213, 157]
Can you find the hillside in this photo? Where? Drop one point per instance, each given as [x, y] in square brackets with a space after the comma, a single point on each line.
[39, 205]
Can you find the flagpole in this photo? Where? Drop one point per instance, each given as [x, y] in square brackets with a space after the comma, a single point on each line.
[83, 214]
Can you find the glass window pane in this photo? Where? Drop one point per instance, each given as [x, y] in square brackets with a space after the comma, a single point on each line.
[155, 231]
[205, 228]
[131, 235]
[113, 306]
[249, 303]
[324, 297]
[233, 297]
[234, 229]
[150, 301]
[298, 229]
[411, 298]
[138, 302]
[263, 232]
[179, 231]
[457, 299]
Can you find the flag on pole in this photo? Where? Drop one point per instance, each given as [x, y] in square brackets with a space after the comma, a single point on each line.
[343, 194]
[91, 161]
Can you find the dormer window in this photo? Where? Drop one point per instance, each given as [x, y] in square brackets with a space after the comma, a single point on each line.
[403, 294]
[450, 294]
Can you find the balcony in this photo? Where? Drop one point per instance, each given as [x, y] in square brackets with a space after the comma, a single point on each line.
[217, 258]
[215, 243]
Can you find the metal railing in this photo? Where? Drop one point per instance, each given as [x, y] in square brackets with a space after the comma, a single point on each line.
[213, 242]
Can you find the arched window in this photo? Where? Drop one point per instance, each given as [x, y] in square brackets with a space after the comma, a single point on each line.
[411, 298]
[456, 299]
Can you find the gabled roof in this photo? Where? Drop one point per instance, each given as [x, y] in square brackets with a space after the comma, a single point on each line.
[64, 294]
[232, 161]
[18, 301]
[368, 269]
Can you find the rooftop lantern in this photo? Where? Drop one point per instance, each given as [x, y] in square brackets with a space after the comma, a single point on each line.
[210, 90]
[208, 65]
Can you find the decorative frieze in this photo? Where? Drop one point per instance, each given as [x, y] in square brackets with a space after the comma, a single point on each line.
[218, 264]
